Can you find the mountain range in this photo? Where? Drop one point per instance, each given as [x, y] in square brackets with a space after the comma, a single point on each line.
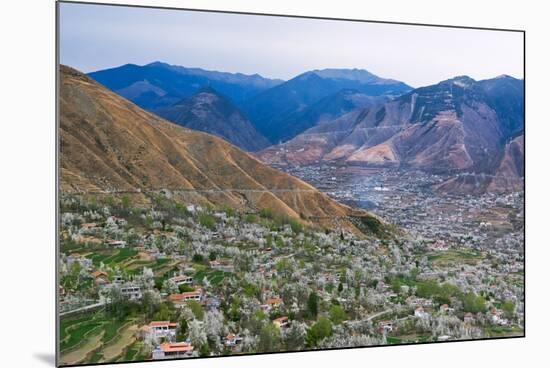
[108, 145]
[159, 84]
[349, 116]
[457, 125]
[277, 110]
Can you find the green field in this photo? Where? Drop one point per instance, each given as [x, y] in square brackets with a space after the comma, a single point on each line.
[454, 256]
[76, 332]
[215, 277]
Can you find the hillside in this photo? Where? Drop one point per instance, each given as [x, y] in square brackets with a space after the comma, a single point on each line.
[210, 112]
[454, 126]
[275, 111]
[109, 145]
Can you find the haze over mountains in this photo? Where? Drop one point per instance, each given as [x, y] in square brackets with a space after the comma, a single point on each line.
[109, 145]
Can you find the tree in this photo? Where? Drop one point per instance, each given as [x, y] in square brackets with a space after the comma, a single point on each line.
[183, 328]
[266, 213]
[296, 226]
[183, 288]
[473, 303]
[509, 308]
[197, 336]
[196, 308]
[208, 221]
[163, 313]
[270, 338]
[214, 326]
[198, 258]
[319, 331]
[337, 314]
[313, 305]
[170, 287]
[212, 256]
[150, 302]
[294, 336]
[125, 201]
[118, 304]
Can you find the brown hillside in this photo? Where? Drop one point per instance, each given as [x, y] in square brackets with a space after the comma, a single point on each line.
[107, 144]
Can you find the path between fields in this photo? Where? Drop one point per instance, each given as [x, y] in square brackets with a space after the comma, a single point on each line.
[78, 355]
[125, 338]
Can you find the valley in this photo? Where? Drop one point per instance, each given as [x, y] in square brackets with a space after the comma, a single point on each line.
[411, 201]
[176, 243]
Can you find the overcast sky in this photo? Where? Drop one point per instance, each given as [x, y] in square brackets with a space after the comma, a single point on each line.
[95, 37]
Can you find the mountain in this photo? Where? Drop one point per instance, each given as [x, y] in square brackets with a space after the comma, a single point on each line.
[456, 125]
[508, 177]
[210, 112]
[109, 145]
[158, 84]
[275, 111]
[329, 108]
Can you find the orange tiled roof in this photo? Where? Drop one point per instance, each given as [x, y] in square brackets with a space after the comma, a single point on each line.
[272, 301]
[162, 324]
[176, 347]
[98, 273]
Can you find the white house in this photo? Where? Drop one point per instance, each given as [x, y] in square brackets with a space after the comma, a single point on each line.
[131, 290]
[158, 329]
[420, 312]
[182, 280]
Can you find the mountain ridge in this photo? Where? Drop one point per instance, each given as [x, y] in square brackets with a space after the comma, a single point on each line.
[109, 145]
[454, 125]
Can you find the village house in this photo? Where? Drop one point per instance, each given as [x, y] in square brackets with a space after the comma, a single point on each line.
[497, 317]
[469, 318]
[281, 321]
[182, 280]
[446, 309]
[181, 299]
[131, 291]
[100, 278]
[116, 243]
[222, 265]
[158, 329]
[385, 326]
[271, 303]
[173, 350]
[420, 312]
[118, 280]
[88, 226]
[232, 342]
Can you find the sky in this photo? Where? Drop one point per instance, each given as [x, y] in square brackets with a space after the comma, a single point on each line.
[95, 37]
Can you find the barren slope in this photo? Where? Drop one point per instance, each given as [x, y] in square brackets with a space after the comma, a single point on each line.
[108, 144]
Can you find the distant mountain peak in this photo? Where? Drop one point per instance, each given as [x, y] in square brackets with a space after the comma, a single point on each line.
[463, 81]
[504, 76]
[356, 74]
[157, 63]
